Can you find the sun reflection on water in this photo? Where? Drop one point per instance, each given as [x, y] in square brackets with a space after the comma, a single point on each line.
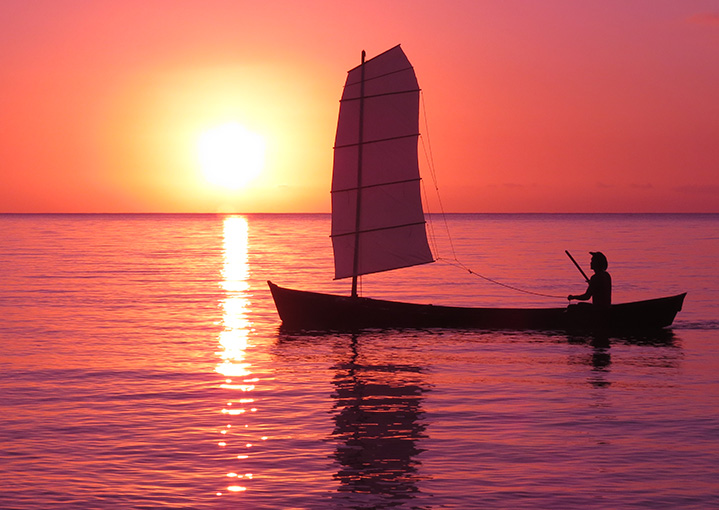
[234, 339]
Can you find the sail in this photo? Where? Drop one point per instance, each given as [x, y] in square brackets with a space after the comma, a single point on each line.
[376, 200]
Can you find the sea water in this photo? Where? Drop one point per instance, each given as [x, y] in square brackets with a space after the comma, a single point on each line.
[142, 365]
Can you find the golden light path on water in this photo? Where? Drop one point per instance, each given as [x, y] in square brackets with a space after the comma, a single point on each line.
[234, 339]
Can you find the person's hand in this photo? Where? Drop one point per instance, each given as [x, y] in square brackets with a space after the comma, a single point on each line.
[570, 297]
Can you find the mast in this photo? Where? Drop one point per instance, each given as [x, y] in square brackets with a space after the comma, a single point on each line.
[355, 263]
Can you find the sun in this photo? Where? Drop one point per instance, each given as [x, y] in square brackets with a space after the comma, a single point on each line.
[230, 155]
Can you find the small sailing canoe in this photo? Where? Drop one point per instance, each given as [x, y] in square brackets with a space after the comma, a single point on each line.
[302, 310]
[378, 223]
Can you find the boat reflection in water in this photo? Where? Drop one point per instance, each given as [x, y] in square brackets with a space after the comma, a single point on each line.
[234, 343]
[600, 356]
[378, 425]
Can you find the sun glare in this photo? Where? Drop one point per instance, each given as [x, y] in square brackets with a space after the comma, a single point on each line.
[231, 156]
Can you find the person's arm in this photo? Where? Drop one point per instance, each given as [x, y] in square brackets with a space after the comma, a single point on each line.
[586, 295]
[582, 297]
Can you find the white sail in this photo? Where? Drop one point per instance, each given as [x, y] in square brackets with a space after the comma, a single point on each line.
[375, 161]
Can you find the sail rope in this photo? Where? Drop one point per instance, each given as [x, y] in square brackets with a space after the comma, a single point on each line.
[457, 263]
[427, 150]
[454, 261]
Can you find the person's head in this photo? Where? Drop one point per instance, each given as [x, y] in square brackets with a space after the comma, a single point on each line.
[599, 261]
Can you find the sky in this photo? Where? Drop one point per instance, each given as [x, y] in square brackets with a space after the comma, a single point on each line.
[551, 106]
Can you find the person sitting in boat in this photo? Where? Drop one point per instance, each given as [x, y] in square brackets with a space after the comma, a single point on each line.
[600, 284]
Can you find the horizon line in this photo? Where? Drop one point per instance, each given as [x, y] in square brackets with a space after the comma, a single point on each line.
[78, 213]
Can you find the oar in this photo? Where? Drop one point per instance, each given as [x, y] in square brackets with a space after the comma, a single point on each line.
[575, 263]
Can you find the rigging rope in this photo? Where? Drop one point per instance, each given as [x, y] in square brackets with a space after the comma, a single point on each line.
[454, 261]
[427, 149]
[458, 264]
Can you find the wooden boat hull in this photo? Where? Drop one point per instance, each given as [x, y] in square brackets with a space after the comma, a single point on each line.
[302, 310]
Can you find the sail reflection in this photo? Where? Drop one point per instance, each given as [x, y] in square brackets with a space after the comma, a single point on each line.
[234, 340]
[378, 421]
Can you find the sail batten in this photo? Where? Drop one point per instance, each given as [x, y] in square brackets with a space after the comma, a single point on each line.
[374, 185]
[378, 76]
[379, 229]
[346, 100]
[365, 142]
[377, 219]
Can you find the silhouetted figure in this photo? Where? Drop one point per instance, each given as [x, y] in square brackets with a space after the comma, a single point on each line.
[600, 284]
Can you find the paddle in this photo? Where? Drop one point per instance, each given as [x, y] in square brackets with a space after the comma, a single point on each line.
[575, 263]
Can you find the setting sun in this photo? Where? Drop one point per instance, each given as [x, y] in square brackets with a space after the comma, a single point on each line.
[231, 156]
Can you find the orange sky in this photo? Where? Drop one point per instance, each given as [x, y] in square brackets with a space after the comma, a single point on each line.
[552, 106]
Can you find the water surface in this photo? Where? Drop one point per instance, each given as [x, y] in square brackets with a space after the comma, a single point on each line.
[142, 366]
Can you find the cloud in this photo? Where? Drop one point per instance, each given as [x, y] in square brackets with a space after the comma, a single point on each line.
[705, 18]
[698, 189]
[508, 185]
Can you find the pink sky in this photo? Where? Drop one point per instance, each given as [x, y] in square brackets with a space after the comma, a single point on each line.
[552, 106]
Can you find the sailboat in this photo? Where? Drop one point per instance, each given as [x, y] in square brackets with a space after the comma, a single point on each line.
[378, 224]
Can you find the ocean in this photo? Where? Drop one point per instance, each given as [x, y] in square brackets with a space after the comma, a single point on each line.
[142, 365]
